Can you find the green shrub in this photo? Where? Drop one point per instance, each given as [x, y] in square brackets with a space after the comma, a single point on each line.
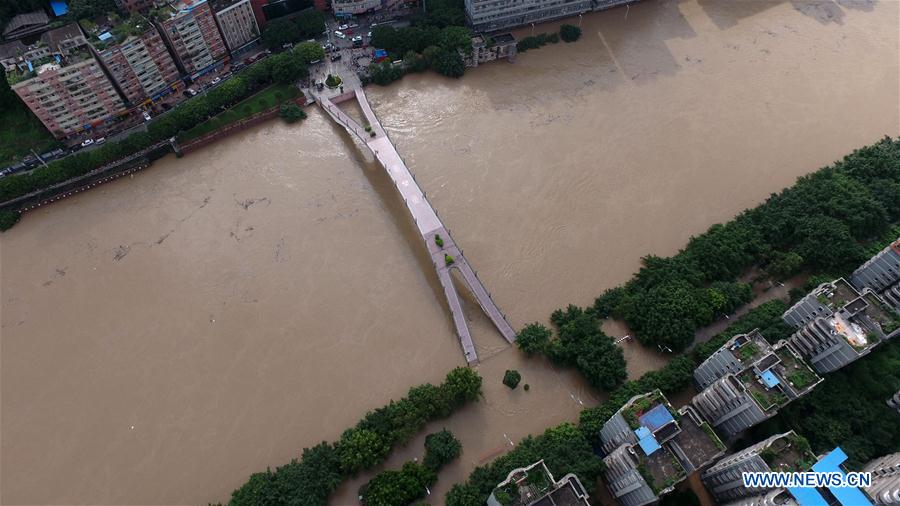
[291, 113]
[512, 378]
[440, 448]
[438, 240]
[8, 219]
[448, 260]
[569, 33]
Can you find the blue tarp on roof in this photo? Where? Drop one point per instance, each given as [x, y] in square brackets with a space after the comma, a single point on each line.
[104, 36]
[59, 8]
[769, 379]
[646, 440]
[831, 463]
[656, 418]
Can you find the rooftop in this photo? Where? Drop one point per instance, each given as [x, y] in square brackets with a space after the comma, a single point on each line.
[790, 453]
[534, 485]
[25, 24]
[114, 30]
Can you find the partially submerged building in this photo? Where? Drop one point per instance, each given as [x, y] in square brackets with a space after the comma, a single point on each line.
[535, 486]
[649, 447]
[786, 452]
[881, 274]
[64, 85]
[837, 324]
[133, 53]
[747, 381]
[486, 48]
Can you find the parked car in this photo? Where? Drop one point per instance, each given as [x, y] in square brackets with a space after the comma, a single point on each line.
[357, 40]
[99, 141]
[343, 27]
[339, 34]
[336, 57]
[88, 142]
[52, 155]
[369, 35]
[147, 116]
[352, 25]
[217, 80]
[192, 92]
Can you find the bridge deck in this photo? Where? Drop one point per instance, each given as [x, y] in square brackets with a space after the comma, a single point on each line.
[427, 222]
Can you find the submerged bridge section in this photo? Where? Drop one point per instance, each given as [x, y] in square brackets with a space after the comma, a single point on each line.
[445, 254]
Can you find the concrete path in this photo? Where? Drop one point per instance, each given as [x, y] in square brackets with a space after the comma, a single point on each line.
[445, 257]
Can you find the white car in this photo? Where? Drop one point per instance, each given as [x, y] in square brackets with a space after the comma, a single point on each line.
[358, 38]
[343, 27]
[101, 140]
[147, 116]
[87, 142]
[192, 92]
[339, 34]
[217, 80]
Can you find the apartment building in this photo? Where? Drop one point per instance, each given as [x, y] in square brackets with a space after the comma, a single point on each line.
[649, 448]
[838, 324]
[237, 22]
[881, 274]
[64, 84]
[133, 53]
[489, 48]
[189, 30]
[748, 380]
[885, 487]
[534, 485]
[781, 452]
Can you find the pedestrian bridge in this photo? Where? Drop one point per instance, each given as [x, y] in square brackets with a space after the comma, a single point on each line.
[428, 223]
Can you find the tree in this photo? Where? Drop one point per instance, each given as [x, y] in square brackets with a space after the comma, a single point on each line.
[311, 479]
[440, 448]
[456, 38]
[569, 33]
[291, 113]
[534, 338]
[287, 68]
[279, 32]
[462, 385]
[80, 9]
[310, 23]
[391, 488]
[449, 63]
[511, 378]
[309, 51]
[8, 219]
[360, 449]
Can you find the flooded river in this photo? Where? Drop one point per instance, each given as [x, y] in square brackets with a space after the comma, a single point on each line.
[165, 335]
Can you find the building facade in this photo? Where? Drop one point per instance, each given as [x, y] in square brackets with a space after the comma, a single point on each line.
[534, 485]
[189, 29]
[137, 59]
[237, 22]
[136, 6]
[67, 88]
[492, 15]
[345, 8]
[489, 48]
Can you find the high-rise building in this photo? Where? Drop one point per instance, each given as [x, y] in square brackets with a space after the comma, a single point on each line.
[492, 15]
[747, 381]
[781, 452]
[885, 487]
[837, 324]
[881, 274]
[66, 87]
[189, 29]
[237, 22]
[649, 447]
[136, 57]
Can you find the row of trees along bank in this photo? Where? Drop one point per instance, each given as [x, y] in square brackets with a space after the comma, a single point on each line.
[309, 481]
[286, 67]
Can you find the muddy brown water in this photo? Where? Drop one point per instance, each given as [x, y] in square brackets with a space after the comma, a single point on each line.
[164, 336]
